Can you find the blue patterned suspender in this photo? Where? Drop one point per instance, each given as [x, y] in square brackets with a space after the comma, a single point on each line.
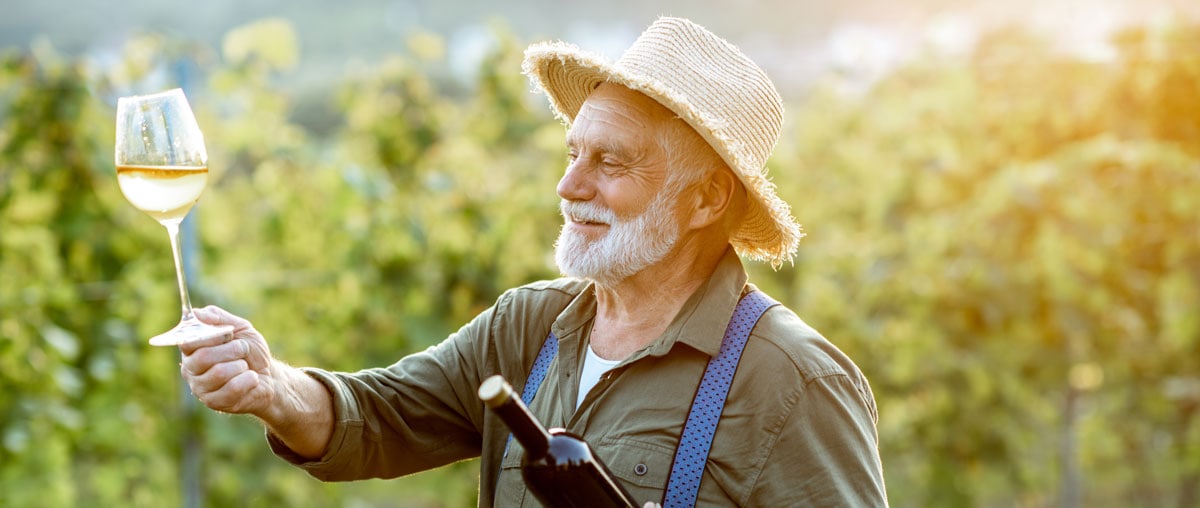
[540, 365]
[701, 426]
[696, 441]
[537, 374]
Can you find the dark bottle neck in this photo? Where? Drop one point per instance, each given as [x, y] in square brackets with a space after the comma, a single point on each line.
[525, 428]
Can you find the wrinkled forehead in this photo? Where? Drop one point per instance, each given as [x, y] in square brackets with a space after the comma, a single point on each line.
[613, 102]
[619, 107]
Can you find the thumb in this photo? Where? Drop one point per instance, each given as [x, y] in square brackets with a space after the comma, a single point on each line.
[214, 315]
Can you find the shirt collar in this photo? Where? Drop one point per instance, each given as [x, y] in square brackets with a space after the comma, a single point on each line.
[700, 323]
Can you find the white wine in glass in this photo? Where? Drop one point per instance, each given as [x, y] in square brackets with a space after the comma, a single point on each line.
[162, 168]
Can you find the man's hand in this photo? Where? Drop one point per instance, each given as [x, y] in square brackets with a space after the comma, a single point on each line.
[235, 373]
[230, 373]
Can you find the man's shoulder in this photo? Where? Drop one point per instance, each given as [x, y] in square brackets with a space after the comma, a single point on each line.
[554, 289]
[788, 340]
[542, 298]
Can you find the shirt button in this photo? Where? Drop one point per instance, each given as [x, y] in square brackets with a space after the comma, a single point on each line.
[640, 469]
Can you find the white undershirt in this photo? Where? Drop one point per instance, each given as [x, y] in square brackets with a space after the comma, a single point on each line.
[593, 368]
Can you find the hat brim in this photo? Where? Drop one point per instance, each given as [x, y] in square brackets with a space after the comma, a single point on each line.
[568, 75]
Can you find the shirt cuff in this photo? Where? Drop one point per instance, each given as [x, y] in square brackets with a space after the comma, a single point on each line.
[347, 429]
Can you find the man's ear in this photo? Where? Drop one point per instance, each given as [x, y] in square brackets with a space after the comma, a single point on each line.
[713, 198]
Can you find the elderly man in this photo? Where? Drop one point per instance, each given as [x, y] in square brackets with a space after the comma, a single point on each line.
[665, 186]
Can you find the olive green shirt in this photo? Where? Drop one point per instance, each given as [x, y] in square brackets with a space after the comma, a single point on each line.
[798, 428]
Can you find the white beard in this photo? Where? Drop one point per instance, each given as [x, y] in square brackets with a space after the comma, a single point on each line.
[628, 247]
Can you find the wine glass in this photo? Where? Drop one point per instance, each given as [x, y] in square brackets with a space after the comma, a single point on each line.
[162, 169]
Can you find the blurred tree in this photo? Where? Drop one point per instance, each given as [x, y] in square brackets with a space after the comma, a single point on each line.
[1008, 245]
[76, 378]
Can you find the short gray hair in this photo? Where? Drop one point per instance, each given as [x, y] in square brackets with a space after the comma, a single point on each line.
[690, 158]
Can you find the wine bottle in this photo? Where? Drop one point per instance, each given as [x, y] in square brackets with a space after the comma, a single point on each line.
[559, 468]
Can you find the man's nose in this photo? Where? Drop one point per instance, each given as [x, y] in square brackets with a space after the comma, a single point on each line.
[576, 184]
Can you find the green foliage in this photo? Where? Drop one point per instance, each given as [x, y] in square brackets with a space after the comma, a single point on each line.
[76, 379]
[1007, 243]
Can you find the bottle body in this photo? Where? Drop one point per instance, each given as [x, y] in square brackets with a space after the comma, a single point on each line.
[558, 467]
[569, 475]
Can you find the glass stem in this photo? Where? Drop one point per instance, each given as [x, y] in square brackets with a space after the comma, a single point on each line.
[173, 231]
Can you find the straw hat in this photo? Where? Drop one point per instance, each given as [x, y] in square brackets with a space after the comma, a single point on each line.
[712, 86]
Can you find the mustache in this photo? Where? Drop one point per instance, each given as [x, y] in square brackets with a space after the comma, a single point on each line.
[585, 211]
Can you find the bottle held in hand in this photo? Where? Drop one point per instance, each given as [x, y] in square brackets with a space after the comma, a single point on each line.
[558, 467]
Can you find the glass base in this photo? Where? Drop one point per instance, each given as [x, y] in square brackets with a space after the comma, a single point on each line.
[189, 330]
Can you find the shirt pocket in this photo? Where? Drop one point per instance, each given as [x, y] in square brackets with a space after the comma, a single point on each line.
[510, 486]
[642, 468]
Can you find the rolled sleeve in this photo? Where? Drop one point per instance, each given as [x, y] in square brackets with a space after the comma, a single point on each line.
[343, 456]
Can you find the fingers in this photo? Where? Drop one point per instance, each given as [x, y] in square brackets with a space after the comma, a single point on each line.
[230, 373]
[191, 346]
[227, 386]
[199, 360]
[214, 315]
[220, 376]
[235, 395]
